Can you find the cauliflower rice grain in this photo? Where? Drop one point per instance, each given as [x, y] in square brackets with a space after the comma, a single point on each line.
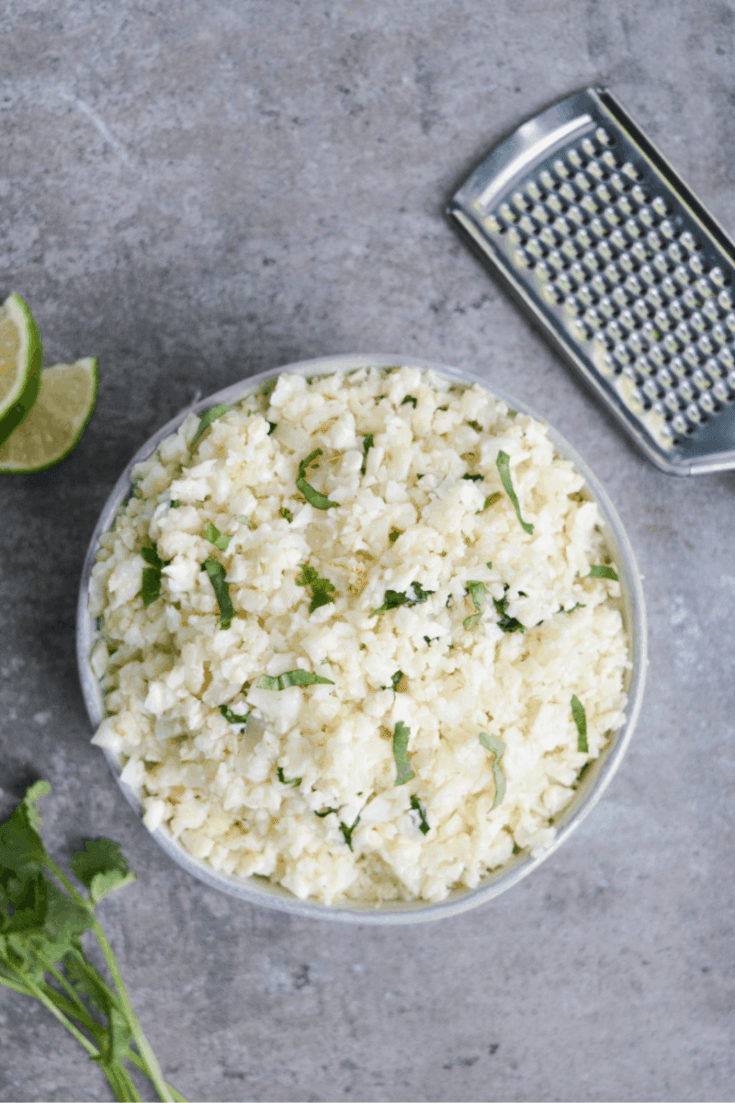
[304, 791]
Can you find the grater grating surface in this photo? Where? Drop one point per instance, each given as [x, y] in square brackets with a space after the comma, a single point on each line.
[623, 267]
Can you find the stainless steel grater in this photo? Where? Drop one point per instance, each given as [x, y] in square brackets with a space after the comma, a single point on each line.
[623, 267]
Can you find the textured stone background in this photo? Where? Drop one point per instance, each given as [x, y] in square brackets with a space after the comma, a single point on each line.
[195, 191]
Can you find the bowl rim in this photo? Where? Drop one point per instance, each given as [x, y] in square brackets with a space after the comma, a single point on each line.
[258, 890]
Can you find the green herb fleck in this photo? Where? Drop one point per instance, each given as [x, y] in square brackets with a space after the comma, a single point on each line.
[473, 478]
[489, 500]
[395, 679]
[497, 747]
[503, 465]
[151, 590]
[319, 501]
[579, 605]
[478, 593]
[347, 831]
[273, 426]
[205, 420]
[476, 426]
[409, 398]
[244, 521]
[505, 622]
[404, 772]
[217, 575]
[174, 503]
[367, 444]
[603, 572]
[394, 534]
[321, 588]
[393, 598]
[219, 539]
[292, 678]
[580, 719]
[327, 812]
[419, 476]
[286, 513]
[292, 781]
[424, 825]
[233, 717]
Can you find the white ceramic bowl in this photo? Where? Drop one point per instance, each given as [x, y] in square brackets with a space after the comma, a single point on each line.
[257, 890]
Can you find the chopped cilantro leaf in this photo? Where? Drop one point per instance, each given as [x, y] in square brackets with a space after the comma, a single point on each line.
[217, 574]
[475, 425]
[327, 812]
[174, 503]
[473, 478]
[347, 831]
[393, 598]
[409, 398]
[244, 521]
[205, 420]
[233, 717]
[395, 679]
[503, 465]
[321, 588]
[319, 501]
[291, 678]
[367, 444]
[286, 513]
[292, 781]
[273, 426]
[394, 534]
[219, 539]
[423, 826]
[505, 622]
[603, 572]
[579, 605]
[151, 589]
[497, 747]
[580, 719]
[489, 500]
[419, 476]
[478, 593]
[404, 772]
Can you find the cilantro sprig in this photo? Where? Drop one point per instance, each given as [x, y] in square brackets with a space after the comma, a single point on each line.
[41, 925]
[319, 501]
[394, 598]
[321, 588]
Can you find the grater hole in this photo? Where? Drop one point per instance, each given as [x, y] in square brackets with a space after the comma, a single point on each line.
[630, 170]
[520, 201]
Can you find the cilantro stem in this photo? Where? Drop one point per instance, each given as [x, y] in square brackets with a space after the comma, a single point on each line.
[153, 1069]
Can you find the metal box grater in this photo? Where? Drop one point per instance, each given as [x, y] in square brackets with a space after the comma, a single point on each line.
[624, 269]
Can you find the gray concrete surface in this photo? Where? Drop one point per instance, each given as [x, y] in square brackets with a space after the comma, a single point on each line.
[195, 191]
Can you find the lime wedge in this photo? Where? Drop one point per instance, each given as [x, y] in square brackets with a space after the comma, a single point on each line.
[21, 356]
[52, 429]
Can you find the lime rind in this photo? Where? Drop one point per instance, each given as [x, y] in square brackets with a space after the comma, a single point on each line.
[18, 402]
[30, 448]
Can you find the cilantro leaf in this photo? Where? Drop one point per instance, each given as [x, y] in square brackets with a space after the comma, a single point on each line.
[151, 590]
[321, 588]
[503, 465]
[423, 825]
[393, 598]
[219, 539]
[367, 444]
[603, 572]
[217, 574]
[282, 779]
[291, 678]
[489, 501]
[497, 747]
[506, 623]
[579, 605]
[580, 719]
[319, 501]
[478, 593]
[409, 398]
[234, 717]
[205, 420]
[327, 812]
[473, 478]
[347, 831]
[395, 679]
[101, 868]
[476, 426]
[272, 426]
[394, 534]
[286, 513]
[404, 772]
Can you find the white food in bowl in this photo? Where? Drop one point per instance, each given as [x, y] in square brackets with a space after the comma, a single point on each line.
[173, 674]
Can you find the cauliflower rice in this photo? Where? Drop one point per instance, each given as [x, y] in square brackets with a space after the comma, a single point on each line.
[301, 784]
